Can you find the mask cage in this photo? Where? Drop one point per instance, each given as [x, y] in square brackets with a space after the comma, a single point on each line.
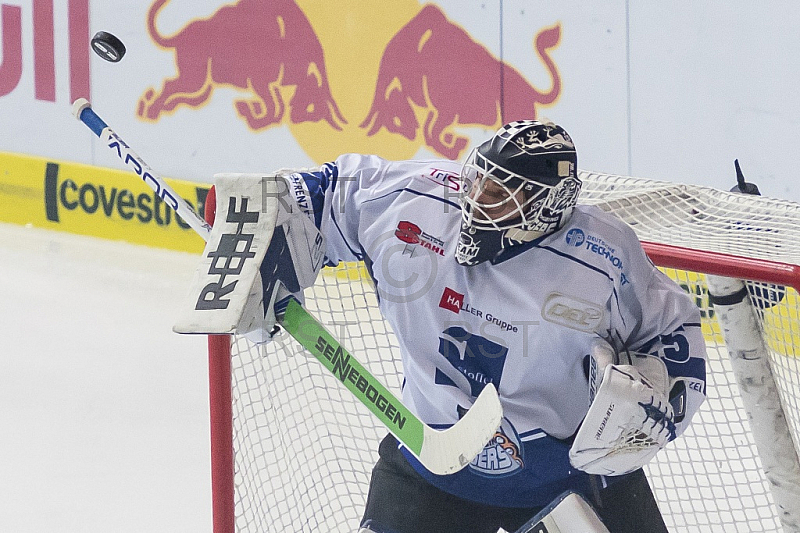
[527, 195]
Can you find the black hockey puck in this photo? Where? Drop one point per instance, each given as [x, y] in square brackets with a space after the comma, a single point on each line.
[108, 46]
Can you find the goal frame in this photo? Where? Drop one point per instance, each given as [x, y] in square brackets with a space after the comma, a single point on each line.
[219, 357]
[721, 264]
[223, 503]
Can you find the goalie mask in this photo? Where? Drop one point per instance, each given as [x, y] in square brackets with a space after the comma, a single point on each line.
[519, 185]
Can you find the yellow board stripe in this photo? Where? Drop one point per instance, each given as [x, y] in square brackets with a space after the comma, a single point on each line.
[94, 201]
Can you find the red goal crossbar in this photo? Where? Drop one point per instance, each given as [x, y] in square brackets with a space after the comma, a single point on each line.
[719, 264]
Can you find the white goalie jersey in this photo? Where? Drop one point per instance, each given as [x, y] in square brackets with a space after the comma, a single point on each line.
[524, 321]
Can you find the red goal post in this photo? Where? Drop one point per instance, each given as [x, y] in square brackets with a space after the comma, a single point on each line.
[281, 463]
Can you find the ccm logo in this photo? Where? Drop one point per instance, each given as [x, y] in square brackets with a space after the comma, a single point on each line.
[572, 312]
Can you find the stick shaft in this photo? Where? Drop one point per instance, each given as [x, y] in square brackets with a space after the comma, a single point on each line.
[83, 111]
[321, 344]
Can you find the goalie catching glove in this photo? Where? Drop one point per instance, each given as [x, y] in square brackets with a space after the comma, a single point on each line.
[262, 251]
[630, 417]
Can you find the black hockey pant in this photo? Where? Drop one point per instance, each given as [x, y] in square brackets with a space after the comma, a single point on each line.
[401, 501]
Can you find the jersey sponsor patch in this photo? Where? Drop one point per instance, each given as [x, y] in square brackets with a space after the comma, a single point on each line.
[451, 300]
[299, 189]
[410, 233]
[572, 312]
[575, 237]
[578, 238]
[449, 180]
[476, 360]
[455, 302]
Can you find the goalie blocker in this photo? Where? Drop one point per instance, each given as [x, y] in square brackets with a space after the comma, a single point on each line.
[239, 287]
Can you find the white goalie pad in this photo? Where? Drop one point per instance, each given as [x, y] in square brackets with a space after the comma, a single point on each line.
[262, 248]
[569, 513]
[628, 422]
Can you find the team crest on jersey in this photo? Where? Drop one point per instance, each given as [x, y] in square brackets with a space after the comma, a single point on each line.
[502, 455]
[412, 234]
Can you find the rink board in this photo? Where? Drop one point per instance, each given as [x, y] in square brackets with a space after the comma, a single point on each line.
[94, 201]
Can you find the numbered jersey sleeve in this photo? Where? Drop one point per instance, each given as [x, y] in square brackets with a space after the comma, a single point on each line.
[659, 318]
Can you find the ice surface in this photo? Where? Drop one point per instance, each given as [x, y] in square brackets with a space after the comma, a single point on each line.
[103, 409]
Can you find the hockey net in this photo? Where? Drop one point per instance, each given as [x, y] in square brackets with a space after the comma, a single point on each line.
[303, 447]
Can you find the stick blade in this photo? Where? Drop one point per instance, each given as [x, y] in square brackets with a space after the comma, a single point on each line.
[448, 451]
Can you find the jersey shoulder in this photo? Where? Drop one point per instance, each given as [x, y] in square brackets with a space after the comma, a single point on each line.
[603, 241]
[440, 177]
[601, 222]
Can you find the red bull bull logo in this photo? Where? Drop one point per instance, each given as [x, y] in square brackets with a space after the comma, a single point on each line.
[257, 46]
[435, 65]
[419, 82]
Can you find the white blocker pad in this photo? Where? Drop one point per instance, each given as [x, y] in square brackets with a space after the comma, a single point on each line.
[569, 513]
[260, 244]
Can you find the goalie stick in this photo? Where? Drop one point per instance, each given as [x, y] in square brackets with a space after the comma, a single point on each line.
[441, 452]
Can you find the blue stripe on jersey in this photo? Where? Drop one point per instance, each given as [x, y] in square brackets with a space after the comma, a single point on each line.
[353, 251]
[317, 183]
[533, 434]
[513, 251]
[619, 307]
[546, 474]
[333, 172]
[573, 258]
[368, 266]
[418, 193]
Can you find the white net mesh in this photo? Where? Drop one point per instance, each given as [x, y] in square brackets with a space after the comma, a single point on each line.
[712, 478]
[304, 447]
[700, 217]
